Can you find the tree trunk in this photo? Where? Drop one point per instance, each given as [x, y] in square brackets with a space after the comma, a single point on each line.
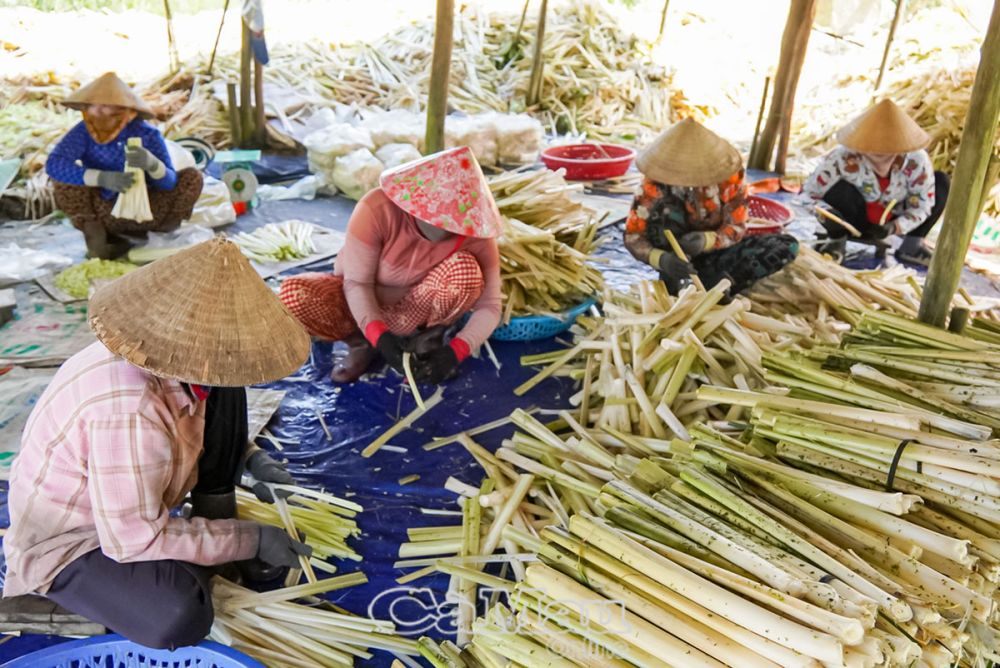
[538, 58]
[962, 209]
[794, 42]
[888, 42]
[246, 84]
[437, 95]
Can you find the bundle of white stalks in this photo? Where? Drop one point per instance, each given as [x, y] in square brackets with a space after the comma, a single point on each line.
[281, 633]
[133, 204]
[278, 242]
[325, 522]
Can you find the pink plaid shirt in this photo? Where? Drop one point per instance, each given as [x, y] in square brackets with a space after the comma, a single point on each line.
[108, 450]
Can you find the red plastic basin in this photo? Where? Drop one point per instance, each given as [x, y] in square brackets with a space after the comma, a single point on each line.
[586, 162]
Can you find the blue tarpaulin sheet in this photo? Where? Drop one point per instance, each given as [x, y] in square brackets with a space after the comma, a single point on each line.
[356, 414]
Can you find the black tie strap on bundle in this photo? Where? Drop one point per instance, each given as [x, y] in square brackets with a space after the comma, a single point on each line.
[895, 464]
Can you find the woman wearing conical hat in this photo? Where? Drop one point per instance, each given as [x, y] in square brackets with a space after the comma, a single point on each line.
[421, 251]
[152, 412]
[881, 160]
[88, 168]
[694, 188]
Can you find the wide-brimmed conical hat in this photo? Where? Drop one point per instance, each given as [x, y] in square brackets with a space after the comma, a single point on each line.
[108, 89]
[689, 154]
[200, 316]
[447, 190]
[883, 128]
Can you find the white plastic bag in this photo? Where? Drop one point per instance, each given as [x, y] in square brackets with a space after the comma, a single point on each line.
[397, 126]
[393, 155]
[356, 173]
[305, 188]
[18, 265]
[214, 208]
[519, 138]
[479, 133]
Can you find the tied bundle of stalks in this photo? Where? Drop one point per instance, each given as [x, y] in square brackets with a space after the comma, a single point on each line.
[133, 204]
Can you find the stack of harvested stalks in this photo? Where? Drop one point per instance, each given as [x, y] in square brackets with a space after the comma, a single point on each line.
[546, 245]
[838, 518]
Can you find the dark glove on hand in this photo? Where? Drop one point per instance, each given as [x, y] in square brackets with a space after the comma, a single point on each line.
[675, 268]
[137, 156]
[278, 549]
[880, 231]
[435, 366]
[391, 347]
[265, 470]
[693, 243]
[119, 182]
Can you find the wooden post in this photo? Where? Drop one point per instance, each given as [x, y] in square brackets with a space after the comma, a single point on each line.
[235, 129]
[663, 21]
[992, 173]
[246, 82]
[794, 42]
[958, 320]
[538, 58]
[760, 113]
[175, 61]
[437, 95]
[218, 36]
[260, 118]
[888, 42]
[962, 210]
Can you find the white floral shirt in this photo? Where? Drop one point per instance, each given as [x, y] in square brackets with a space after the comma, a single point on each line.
[911, 183]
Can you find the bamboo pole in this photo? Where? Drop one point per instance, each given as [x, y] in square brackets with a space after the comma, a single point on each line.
[760, 113]
[538, 58]
[962, 210]
[246, 82]
[888, 42]
[437, 95]
[794, 42]
[235, 129]
[260, 120]
[175, 61]
[663, 21]
[218, 36]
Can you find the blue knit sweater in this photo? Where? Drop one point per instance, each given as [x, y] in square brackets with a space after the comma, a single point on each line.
[78, 152]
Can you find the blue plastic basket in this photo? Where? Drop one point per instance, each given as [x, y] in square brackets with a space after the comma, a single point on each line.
[114, 651]
[534, 327]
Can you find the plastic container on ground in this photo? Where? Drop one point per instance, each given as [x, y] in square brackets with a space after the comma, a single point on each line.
[535, 327]
[114, 651]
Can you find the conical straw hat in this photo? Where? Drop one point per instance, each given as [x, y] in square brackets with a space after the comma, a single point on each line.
[108, 89]
[689, 154]
[883, 128]
[200, 316]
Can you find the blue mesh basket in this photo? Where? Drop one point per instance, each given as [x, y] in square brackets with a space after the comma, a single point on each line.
[114, 651]
[534, 327]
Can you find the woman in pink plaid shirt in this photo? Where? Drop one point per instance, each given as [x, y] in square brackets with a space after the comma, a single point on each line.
[133, 424]
[421, 251]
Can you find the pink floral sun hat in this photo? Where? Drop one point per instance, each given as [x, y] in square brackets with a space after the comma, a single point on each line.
[447, 190]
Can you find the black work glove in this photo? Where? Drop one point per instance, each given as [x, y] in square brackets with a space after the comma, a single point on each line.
[673, 269]
[391, 347]
[118, 182]
[278, 549]
[265, 470]
[435, 366]
[879, 231]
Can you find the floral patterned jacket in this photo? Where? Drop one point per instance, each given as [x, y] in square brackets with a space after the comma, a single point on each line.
[911, 184]
[717, 213]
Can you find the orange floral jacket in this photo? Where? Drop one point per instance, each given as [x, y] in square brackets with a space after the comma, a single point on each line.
[719, 212]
